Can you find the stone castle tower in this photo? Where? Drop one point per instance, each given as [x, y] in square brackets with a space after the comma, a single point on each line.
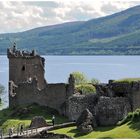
[27, 84]
[25, 66]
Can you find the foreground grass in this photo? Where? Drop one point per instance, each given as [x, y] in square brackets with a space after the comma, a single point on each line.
[127, 130]
[9, 118]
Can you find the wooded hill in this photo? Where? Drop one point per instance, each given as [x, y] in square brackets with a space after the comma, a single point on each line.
[115, 34]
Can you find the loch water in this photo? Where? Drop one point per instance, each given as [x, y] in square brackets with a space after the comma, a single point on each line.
[58, 68]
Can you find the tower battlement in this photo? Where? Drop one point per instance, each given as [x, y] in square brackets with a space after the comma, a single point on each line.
[14, 52]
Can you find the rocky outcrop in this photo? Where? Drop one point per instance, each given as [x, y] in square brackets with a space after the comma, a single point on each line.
[38, 121]
[85, 122]
[85, 128]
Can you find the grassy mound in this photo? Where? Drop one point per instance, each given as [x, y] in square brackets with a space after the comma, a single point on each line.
[127, 80]
[13, 117]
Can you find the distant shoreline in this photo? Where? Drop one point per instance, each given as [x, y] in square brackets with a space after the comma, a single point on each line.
[82, 55]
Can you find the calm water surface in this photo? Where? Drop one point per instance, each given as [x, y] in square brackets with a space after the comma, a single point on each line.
[58, 68]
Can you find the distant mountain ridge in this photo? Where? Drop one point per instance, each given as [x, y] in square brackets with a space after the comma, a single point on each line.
[117, 34]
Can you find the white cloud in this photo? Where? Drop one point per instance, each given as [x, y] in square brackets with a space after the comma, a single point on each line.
[110, 7]
[18, 16]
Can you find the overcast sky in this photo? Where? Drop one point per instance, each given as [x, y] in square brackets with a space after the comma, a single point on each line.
[18, 16]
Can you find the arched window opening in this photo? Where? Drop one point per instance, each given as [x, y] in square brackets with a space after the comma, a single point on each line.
[23, 68]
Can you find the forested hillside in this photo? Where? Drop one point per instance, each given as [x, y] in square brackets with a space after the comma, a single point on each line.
[111, 35]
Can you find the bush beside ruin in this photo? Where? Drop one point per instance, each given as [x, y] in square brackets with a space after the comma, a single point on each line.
[86, 89]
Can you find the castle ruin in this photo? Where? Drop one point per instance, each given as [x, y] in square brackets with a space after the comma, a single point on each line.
[27, 85]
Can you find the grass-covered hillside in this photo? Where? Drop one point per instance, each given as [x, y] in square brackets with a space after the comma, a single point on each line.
[114, 34]
[23, 115]
[127, 128]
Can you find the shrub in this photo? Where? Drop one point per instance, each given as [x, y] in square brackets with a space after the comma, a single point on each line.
[131, 117]
[126, 119]
[80, 78]
[86, 89]
[136, 116]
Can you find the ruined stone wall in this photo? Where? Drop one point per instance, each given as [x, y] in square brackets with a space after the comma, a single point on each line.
[78, 103]
[107, 110]
[121, 88]
[111, 110]
[53, 95]
[135, 100]
[26, 94]
[130, 90]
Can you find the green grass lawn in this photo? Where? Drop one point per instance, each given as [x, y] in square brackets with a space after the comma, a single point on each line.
[128, 130]
[10, 119]
[131, 129]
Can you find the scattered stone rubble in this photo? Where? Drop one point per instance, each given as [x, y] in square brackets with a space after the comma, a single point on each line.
[44, 135]
[38, 121]
[50, 135]
[86, 122]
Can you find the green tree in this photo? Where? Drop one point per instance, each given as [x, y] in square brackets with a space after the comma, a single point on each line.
[82, 84]
[80, 78]
[95, 81]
